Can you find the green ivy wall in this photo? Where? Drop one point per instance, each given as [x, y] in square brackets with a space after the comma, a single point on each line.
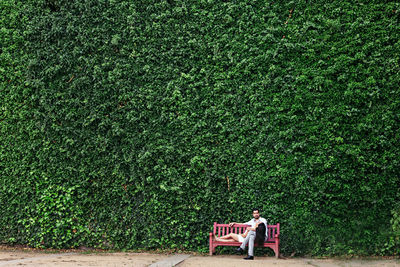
[137, 124]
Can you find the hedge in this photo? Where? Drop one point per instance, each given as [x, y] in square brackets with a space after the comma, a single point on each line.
[137, 124]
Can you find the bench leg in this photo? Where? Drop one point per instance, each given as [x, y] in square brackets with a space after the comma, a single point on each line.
[276, 250]
[211, 247]
[212, 250]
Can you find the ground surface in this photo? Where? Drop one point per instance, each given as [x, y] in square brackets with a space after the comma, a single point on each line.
[22, 257]
[230, 260]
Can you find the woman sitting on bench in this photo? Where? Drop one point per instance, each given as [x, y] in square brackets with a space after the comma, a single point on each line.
[232, 237]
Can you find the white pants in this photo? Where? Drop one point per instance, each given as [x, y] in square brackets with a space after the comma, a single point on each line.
[249, 239]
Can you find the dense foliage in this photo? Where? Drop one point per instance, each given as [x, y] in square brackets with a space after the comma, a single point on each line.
[137, 124]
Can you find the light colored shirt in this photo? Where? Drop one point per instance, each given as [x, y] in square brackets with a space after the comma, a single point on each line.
[253, 222]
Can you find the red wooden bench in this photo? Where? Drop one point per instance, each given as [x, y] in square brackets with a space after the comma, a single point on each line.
[224, 229]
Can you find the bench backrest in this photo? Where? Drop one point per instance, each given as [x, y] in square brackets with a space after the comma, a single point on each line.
[224, 229]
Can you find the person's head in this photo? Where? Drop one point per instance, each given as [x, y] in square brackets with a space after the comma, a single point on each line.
[256, 213]
[260, 234]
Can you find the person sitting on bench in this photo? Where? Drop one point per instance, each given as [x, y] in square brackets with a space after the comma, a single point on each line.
[232, 237]
[251, 234]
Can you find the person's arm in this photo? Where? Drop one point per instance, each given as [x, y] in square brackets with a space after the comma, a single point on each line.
[253, 228]
[250, 228]
[233, 223]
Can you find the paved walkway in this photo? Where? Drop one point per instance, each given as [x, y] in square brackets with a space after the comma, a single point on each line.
[46, 259]
[238, 261]
[171, 260]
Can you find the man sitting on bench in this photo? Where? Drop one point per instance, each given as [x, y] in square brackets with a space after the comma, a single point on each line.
[251, 233]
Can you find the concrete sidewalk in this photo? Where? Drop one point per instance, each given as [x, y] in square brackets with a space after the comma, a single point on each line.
[233, 261]
[76, 258]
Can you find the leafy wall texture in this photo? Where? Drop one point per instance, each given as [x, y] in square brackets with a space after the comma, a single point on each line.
[137, 124]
